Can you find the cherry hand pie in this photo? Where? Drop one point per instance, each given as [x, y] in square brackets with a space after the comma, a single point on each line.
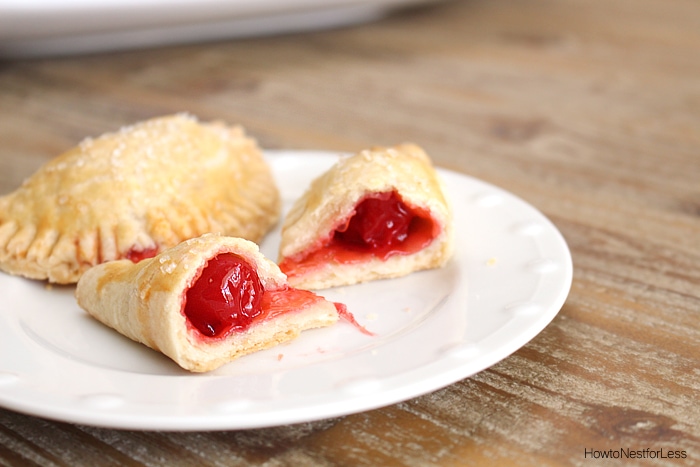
[204, 302]
[133, 193]
[379, 214]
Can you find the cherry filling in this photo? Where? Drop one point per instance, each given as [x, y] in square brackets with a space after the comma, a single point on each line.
[381, 226]
[380, 222]
[135, 255]
[227, 296]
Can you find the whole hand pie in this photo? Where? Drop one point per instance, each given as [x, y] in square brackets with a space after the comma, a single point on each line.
[379, 214]
[133, 193]
[204, 302]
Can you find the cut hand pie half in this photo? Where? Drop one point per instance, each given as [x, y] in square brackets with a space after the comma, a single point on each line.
[132, 193]
[379, 214]
[204, 302]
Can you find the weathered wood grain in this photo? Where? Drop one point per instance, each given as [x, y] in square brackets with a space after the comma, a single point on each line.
[589, 110]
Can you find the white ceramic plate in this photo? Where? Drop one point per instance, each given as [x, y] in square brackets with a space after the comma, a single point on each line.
[509, 277]
[47, 27]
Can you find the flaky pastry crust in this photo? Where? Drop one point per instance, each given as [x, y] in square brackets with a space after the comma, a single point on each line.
[139, 190]
[144, 301]
[332, 198]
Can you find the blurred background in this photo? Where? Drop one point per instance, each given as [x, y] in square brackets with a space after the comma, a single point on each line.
[587, 109]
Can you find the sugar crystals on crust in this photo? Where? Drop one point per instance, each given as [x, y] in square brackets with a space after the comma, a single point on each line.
[132, 193]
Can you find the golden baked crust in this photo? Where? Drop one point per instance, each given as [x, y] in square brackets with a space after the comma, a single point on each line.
[332, 198]
[144, 301]
[144, 188]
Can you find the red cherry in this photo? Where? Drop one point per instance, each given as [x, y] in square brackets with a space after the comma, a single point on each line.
[380, 221]
[383, 225]
[227, 296]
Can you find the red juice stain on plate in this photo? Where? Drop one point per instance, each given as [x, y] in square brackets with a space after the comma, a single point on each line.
[350, 318]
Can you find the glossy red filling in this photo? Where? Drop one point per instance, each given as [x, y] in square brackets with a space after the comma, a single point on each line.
[228, 297]
[381, 226]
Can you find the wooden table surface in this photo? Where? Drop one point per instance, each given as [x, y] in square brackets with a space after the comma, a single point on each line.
[588, 110]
